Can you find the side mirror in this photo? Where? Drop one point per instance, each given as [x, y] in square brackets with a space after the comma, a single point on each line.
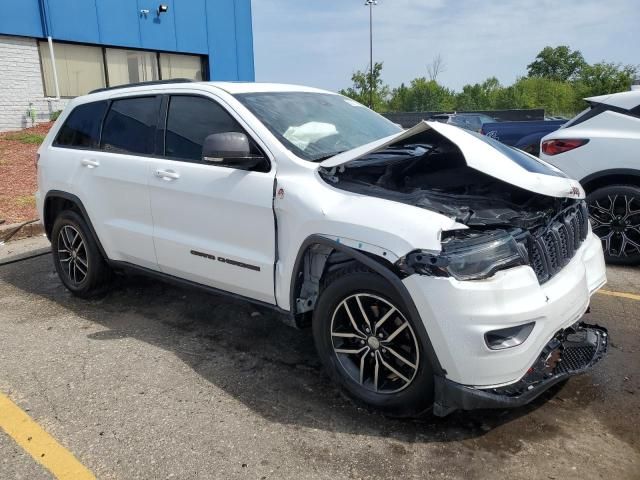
[230, 149]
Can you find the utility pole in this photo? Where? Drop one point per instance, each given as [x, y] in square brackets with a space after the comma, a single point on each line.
[370, 4]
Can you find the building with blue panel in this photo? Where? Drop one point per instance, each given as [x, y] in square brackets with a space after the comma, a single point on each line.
[53, 50]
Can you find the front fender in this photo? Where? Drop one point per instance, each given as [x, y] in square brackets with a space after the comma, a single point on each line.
[377, 226]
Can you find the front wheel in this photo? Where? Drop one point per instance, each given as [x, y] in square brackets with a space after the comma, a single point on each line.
[370, 346]
[615, 217]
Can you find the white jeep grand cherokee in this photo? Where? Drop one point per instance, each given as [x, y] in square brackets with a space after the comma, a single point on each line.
[439, 269]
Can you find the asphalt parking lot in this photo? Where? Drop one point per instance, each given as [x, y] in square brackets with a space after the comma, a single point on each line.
[152, 381]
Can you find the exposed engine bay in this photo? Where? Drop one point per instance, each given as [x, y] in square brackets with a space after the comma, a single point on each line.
[435, 176]
[508, 225]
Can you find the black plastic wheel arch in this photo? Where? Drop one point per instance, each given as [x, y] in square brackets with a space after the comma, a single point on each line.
[381, 270]
[83, 211]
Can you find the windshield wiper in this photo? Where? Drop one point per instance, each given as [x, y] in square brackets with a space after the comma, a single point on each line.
[327, 156]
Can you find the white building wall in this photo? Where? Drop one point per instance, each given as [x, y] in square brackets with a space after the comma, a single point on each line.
[21, 84]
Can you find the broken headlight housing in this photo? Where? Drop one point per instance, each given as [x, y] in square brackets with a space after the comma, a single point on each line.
[467, 256]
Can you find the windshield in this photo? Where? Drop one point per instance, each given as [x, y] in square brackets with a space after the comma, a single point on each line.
[316, 126]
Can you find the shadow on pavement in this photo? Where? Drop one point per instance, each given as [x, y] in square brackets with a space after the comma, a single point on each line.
[270, 367]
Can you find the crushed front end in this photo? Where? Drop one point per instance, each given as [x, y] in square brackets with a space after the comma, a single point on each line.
[506, 291]
[571, 351]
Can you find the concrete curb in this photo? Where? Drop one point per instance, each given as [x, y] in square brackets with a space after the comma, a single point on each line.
[30, 230]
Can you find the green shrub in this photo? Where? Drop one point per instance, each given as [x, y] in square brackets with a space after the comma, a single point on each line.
[25, 137]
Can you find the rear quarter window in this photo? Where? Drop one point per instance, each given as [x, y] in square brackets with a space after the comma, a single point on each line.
[81, 129]
[585, 115]
[598, 108]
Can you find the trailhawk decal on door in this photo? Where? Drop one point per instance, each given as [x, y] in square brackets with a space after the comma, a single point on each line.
[228, 261]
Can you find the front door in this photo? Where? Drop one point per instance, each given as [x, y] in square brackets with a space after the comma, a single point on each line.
[212, 225]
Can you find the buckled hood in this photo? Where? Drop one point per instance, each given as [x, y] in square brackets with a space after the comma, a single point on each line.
[483, 154]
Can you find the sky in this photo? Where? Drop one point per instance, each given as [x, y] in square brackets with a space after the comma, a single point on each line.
[321, 43]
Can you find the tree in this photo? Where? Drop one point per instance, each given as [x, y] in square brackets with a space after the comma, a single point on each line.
[559, 63]
[436, 67]
[362, 81]
[557, 98]
[421, 95]
[558, 80]
[603, 78]
[429, 96]
[480, 96]
[400, 100]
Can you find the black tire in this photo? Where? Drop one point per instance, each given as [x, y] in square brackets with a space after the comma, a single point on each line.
[394, 397]
[74, 255]
[614, 212]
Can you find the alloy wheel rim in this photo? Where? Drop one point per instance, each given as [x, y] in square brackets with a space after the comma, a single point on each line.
[72, 254]
[616, 220]
[374, 343]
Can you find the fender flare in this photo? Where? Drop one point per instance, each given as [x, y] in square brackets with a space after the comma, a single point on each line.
[381, 270]
[83, 211]
[610, 172]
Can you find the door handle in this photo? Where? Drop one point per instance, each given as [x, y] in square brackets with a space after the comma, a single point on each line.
[90, 163]
[167, 175]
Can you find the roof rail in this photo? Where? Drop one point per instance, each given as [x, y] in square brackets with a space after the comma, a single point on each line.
[142, 84]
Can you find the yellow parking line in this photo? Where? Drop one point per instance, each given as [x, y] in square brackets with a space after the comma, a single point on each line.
[630, 296]
[39, 444]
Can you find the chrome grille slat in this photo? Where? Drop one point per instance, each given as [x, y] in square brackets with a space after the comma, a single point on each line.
[551, 250]
[565, 248]
[555, 246]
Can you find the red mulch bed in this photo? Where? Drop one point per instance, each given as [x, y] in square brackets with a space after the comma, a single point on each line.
[18, 176]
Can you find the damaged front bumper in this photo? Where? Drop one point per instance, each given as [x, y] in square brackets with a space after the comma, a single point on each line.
[571, 351]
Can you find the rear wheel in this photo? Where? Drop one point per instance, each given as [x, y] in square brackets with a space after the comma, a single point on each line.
[370, 346]
[615, 217]
[76, 256]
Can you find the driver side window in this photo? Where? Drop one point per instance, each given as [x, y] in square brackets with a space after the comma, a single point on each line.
[190, 119]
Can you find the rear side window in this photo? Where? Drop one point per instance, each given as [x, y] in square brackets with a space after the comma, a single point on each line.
[82, 127]
[190, 120]
[130, 125]
[593, 110]
[598, 108]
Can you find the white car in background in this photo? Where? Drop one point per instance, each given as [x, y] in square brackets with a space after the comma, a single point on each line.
[601, 148]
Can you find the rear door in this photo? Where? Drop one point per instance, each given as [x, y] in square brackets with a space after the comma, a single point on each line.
[108, 172]
[212, 225]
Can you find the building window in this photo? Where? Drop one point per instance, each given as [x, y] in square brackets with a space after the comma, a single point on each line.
[80, 69]
[131, 66]
[180, 66]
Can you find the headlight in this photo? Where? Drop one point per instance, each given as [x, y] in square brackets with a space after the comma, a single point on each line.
[467, 262]
[472, 258]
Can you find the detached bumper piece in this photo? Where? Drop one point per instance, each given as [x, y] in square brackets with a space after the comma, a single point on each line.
[571, 351]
